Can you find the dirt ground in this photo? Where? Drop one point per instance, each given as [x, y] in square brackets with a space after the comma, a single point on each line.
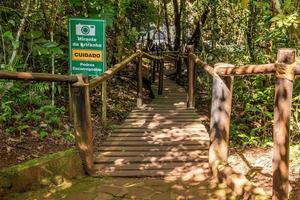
[256, 164]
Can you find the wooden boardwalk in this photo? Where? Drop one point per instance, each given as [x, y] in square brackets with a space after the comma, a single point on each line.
[161, 139]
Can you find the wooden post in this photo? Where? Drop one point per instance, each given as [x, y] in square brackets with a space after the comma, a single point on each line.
[282, 113]
[153, 71]
[161, 77]
[104, 103]
[139, 77]
[178, 67]
[191, 76]
[70, 101]
[220, 120]
[83, 123]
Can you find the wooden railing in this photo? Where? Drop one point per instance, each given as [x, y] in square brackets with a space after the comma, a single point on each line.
[285, 70]
[80, 98]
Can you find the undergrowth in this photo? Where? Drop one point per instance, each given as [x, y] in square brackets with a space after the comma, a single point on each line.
[26, 110]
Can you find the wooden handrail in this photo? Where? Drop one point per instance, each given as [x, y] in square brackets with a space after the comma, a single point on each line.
[242, 70]
[27, 76]
[223, 75]
[80, 98]
[205, 66]
[112, 71]
[146, 55]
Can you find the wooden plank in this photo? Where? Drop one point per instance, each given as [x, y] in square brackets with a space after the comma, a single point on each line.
[169, 135]
[156, 125]
[164, 110]
[198, 174]
[154, 148]
[151, 159]
[166, 113]
[152, 143]
[100, 155]
[161, 138]
[138, 167]
[148, 130]
[165, 116]
[128, 121]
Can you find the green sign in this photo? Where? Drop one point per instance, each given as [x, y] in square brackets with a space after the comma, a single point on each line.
[87, 46]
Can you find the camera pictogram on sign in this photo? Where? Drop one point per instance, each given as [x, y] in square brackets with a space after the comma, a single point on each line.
[85, 30]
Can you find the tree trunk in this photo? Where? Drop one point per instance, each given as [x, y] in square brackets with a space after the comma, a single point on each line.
[177, 17]
[19, 33]
[250, 31]
[118, 33]
[215, 24]
[167, 23]
[197, 34]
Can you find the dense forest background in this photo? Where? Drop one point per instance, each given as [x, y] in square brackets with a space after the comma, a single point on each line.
[34, 38]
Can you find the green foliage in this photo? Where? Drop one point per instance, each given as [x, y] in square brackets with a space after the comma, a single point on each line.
[24, 110]
[140, 12]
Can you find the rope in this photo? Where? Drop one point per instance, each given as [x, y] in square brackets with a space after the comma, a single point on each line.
[286, 71]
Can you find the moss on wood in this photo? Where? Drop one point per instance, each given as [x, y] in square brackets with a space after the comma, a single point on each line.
[50, 169]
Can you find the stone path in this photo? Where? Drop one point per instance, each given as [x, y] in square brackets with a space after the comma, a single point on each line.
[128, 189]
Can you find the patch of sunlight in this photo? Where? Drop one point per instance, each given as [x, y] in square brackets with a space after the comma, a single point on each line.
[139, 122]
[195, 175]
[110, 169]
[128, 185]
[64, 185]
[120, 162]
[180, 104]
[178, 187]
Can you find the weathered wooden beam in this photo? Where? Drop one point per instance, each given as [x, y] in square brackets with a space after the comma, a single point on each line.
[220, 120]
[153, 72]
[112, 71]
[191, 77]
[139, 82]
[104, 103]
[26, 76]
[83, 124]
[151, 57]
[70, 101]
[282, 112]
[245, 70]
[161, 77]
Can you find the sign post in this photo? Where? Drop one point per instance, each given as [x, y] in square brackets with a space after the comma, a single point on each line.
[87, 46]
